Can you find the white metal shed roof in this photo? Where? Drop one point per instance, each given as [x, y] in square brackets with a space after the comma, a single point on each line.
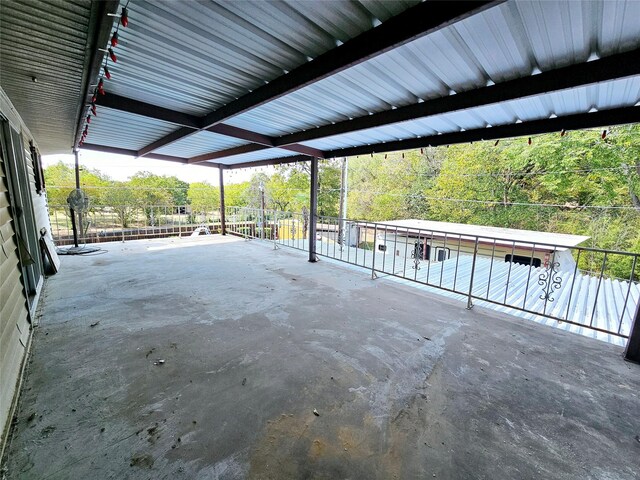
[521, 237]
[574, 300]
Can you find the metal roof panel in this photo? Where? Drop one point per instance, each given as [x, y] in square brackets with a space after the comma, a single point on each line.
[113, 127]
[45, 40]
[257, 156]
[200, 143]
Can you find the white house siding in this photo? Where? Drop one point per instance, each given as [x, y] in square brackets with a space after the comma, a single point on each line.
[18, 300]
[14, 314]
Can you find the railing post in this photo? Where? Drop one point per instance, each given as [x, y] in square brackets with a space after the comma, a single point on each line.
[223, 223]
[373, 261]
[473, 271]
[632, 352]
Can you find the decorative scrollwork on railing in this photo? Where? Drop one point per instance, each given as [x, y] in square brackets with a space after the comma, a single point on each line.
[416, 254]
[550, 281]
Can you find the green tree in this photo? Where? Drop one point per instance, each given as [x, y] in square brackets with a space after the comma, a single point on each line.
[391, 186]
[203, 197]
[121, 199]
[234, 194]
[329, 178]
[61, 180]
[152, 195]
[178, 189]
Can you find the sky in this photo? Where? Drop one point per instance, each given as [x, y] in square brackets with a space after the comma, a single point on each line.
[121, 167]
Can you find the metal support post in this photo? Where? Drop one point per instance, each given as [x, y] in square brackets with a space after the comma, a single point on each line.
[223, 223]
[313, 214]
[632, 352]
[274, 229]
[373, 260]
[473, 271]
[77, 229]
[77, 168]
[263, 218]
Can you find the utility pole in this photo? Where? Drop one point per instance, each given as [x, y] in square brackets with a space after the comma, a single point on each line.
[343, 204]
[262, 209]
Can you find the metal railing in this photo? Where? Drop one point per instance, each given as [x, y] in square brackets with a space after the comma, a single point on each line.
[539, 280]
[122, 223]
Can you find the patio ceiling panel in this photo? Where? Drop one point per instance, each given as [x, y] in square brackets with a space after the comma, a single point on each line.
[276, 154]
[606, 95]
[603, 96]
[422, 19]
[173, 58]
[619, 27]
[199, 143]
[562, 33]
[277, 68]
[46, 41]
[507, 41]
[128, 131]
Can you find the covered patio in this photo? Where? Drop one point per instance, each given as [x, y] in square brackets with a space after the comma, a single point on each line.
[227, 358]
[254, 340]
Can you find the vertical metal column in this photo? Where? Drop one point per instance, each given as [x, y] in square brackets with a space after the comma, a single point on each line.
[77, 168]
[223, 223]
[632, 352]
[73, 213]
[313, 214]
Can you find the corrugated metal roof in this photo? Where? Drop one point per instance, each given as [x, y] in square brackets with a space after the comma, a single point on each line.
[492, 278]
[609, 300]
[126, 130]
[604, 95]
[201, 142]
[257, 156]
[45, 40]
[502, 43]
[195, 57]
[171, 56]
[521, 237]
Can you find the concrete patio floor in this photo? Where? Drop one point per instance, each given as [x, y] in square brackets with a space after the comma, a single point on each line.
[406, 384]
